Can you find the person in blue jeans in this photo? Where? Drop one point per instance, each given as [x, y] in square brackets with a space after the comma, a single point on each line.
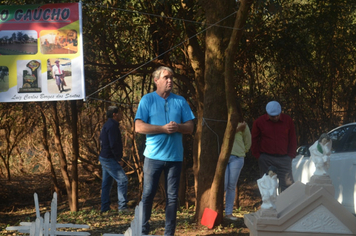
[242, 144]
[163, 117]
[110, 160]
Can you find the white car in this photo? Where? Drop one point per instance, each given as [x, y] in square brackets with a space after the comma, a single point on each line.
[342, 168]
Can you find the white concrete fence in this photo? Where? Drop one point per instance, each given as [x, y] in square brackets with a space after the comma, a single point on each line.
[49, 226]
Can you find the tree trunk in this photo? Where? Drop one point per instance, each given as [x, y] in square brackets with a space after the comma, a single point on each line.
[61, 154]
[137, 162]
[183, 184]
[7, 168]
[213, 197]
[75, 144]
[215, 113]
[48, 154]
[196, 57]
[231, 101]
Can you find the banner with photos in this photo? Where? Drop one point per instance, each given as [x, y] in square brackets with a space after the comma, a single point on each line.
[41, 53]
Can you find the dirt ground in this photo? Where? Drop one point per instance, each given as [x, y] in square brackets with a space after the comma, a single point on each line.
[17, 205]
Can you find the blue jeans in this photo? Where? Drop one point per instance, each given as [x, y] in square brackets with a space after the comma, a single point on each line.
[112, 171]
[152, 170]
[232, 173]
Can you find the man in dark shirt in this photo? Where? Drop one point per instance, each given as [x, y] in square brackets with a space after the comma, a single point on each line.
[110, 160]
[274, 143]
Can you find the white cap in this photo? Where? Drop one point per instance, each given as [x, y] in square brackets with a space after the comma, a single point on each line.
[273, 108]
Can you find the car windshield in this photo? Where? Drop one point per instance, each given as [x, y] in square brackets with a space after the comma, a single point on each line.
[344, 139]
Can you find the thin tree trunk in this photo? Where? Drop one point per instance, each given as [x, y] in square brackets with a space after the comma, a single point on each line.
[61, 154]
[237, 196]
[48, 155]
[196, 57]
[218, 64]
[137, 163]
[183, 176]
[215, 113]
[75, 144]
[7, 168]
[232, 104]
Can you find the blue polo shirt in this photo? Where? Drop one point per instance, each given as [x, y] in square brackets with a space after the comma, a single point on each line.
[155, 110]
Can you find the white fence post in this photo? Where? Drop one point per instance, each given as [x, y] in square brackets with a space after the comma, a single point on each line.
[53, 215]
[49, 225]
[37, 207]
[46, 224]
[135, 228]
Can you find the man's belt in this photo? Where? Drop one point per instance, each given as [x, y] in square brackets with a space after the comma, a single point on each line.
[275, 155]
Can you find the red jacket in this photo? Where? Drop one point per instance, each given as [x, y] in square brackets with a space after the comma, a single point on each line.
[274, 137]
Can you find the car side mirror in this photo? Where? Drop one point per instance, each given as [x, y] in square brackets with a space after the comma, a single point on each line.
[303, 150]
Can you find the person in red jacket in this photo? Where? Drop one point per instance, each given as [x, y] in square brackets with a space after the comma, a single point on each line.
[274, 143]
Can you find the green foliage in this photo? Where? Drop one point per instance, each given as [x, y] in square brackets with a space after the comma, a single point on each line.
[299, 52]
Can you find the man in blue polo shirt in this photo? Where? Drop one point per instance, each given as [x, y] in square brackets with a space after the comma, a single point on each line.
[163, 116]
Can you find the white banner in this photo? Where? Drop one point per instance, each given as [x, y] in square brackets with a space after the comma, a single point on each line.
[41, 53]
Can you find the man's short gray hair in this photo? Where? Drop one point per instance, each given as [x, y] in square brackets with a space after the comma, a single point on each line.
[158, 71]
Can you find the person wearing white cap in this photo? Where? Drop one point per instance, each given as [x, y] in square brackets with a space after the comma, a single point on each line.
[274, 143]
